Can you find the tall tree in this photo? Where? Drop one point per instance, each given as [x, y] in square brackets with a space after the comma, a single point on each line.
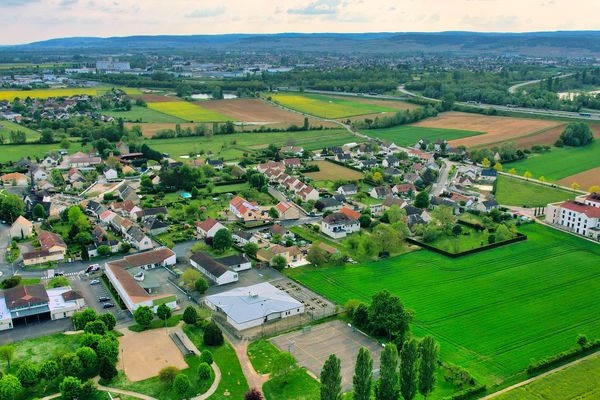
[222, 240]
[363, 375]
[408, 369]
[7, 352]
[143, 316]
[283, 364]
[428, 350]
[387, 386]
[388, 317]
[10, 387]
[331, 379]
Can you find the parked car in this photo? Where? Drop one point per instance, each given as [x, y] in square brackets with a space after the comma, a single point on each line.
[102, 299]
[94, 281]
[92, 268]
[108, 305]
[59, 273]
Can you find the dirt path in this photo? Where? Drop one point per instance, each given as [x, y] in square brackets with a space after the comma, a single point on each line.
[535, 378]
[254, 379]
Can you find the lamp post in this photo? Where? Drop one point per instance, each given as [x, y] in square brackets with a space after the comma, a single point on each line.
[123, 359]
[166, 330]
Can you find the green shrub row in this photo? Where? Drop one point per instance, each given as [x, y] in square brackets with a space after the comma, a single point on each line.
[467, 393]
[562, 358]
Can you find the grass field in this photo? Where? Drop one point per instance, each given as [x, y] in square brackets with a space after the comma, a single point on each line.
[409, 135]
[7, 126]
[232, 146]
[560, 162]
[40, 349]
[492, 312]
[331, 172]
[579, 381]
[188, 111]
[300, 386]
[517, 192]
[59, 92]
[144, 114]
[328, 106]
[15, 152]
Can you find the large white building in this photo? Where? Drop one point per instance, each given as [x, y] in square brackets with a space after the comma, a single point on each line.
[134, 286]
[250, 306]
[580, 216]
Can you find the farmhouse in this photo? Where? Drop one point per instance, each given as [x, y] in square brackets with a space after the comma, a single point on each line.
[581, 216]
[338, 225]
[252, 306]
[134, 286]
[215, 270]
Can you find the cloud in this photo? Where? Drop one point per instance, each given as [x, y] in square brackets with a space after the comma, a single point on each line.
[17, 3]
[66, 3]
[498, 23]
[207, 12]
[318, 7]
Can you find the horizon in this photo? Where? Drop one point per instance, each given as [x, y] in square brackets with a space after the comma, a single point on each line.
[56, 19]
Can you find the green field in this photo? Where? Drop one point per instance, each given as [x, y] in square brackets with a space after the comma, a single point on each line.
[188, 111]
[492, 312]
[60, 92]
[518, 192]
[14, 152]
[560, 162]
[7, 126]
[42, 348]
[326, 106]
[232, 147]
[143, 114]
[407, 135]
[579, 381]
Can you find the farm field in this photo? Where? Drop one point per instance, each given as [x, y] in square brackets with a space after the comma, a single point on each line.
[7, 126]
[560, 163]
[257, 112]
[585, 179]
[328, 106]
[14, 152]
[492, 312]
[561, 384]
[496, 129]
[59, 92]
[232, 146]
[517, 192]
[332, 172]
[188, 111]
[143, 114]
[409, 135]
[150, 129]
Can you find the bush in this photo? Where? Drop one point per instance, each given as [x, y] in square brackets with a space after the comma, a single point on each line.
[190, 315]
[204, 371]
[207, 357]
[182, 385]
[213, 335]
[469, 393]
[168, 374]
[562, 358]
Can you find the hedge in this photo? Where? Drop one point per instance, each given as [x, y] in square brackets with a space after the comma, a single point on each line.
[468, 393]
[562, 358]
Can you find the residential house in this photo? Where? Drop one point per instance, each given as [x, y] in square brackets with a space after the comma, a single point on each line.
[39, 174]
[347, 190]
[80, 159]
[241, 237]
[287, 210]
[295, 150]
[350, 213]
[367, 164]
[388, 148]
[485, 206]
[308, 193]
[338, 225]
[580, 216]
[126, 192]
[216, 164]
[392, 171]
[411, 177]
[21, 228]
[274, 165]
[488, 175]
[414, 212]
[278, 230]
[152, 212]
[138, 239]
[208, 228]
[237, 262]
[127, 208]
[330, 204]
[213, 269]
[52, 248]
[292, 163]
[244, 209]
[380, 192]
[291, 254]
[405, 190]
[154, 225]
[111, 174]
[50, 161]
[14, 178]
[390, 161]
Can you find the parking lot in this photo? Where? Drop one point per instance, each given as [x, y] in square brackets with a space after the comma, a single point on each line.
[93, 292]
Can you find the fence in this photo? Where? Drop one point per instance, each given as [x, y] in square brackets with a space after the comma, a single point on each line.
[520, 237]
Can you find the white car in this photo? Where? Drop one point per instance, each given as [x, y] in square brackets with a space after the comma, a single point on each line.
[94, 281]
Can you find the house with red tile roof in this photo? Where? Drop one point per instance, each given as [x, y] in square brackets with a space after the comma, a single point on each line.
[580, 216]
[208, 228]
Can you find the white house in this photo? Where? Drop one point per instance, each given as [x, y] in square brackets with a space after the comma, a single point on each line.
[347, 190]
[581, 216]
[251, 306]
[208, 228]
[213, 269]
[111, 174]
[338, 225]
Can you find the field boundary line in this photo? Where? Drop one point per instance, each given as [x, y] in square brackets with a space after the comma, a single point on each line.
[540, 376]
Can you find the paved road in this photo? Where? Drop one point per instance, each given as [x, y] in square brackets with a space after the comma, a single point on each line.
[442, 181]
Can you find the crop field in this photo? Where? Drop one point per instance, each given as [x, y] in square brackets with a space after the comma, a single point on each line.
[332, 172]
[408, 135]
[578, 381]
[585, 179]
[59, 92]
[328, 106]
[518, 192]
[188, 111]
[14, 152]
[7, 126]
[561, 163]
[492, 312]
[157, 98]
[232, 146]
[150, 129]
[496, 129]
[144, 114]
[257, 112]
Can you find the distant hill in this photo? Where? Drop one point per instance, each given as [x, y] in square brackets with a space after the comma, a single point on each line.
[560, 43]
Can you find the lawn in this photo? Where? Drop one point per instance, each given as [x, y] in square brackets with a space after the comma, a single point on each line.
[7, 126]
[407, 135]
[560, 162]
[188, 111]
[299, 386]
[579, 381]
[492, 312]
[518, 192]
[329, 171]
[59, 92]
[326, 106]
[42, 348]
[261, 354]
[143, 114]
[14, 152]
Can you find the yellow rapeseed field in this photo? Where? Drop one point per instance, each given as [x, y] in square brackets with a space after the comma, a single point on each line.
[188, 111]
[59, 92]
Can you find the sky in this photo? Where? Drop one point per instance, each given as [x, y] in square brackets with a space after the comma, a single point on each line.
[25, 21]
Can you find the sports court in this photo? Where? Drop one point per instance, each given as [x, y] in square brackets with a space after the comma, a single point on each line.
[311, 347]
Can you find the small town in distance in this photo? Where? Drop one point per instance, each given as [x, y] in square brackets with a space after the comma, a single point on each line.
[300, 216]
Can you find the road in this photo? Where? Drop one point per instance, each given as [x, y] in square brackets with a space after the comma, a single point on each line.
[442, 181]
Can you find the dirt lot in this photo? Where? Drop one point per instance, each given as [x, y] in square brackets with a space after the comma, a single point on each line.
[497, 129]
[312, 347]
[144, 354]
[259, 112]
[157, 98]
[331, 172]
[584, 179]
